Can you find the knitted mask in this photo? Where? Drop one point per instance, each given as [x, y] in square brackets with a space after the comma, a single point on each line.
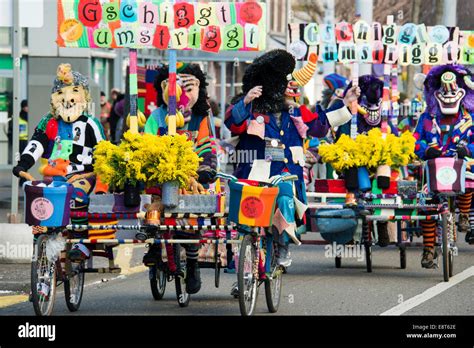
[70, 94]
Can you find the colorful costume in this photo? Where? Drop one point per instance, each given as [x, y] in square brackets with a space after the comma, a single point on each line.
[66, 137]
[370, 110]
[445, 129]
[194, 120]
[272, 128]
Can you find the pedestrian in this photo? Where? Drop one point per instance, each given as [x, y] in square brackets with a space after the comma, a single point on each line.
[113, 117]
[105, 108]
[23, 122]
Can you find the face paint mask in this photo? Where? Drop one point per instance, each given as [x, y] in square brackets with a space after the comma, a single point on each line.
[449, 96]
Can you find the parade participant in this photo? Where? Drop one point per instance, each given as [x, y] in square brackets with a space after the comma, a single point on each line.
[66, 136]
[271, 124]
[105, 108]
[370, 107]
[193, 119]
[336, 85]
[445, 130]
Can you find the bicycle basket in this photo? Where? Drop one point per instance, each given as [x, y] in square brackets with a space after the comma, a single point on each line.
[252, 203]
[446, 176]
[47, 204]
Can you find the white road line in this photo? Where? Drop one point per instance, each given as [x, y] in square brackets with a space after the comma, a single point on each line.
[429, 293]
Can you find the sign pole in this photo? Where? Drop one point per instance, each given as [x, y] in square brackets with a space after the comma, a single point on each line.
[172, 92]
[16, 55]
[133, 88]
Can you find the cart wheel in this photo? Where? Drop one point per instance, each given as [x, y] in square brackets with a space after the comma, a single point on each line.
[368, 257]
[74, 284]
[403, 257]
[157, 282]
[247, 276]
[338, 260]
[43, 279]
[273, 284]
[180, 280]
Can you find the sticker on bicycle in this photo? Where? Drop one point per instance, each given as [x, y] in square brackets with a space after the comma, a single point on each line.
[252, 207]
[446, 176]
[42, 208]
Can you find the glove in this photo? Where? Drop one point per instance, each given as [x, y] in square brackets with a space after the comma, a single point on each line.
[17, 169]
[463, 151]
[432, 153]
[206, 175]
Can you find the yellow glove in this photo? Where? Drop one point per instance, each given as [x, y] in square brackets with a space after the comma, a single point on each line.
[141, 119]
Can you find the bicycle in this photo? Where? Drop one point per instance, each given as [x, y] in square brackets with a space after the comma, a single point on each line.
[257, 257]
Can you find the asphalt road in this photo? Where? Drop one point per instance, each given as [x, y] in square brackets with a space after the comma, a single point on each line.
[312, 286]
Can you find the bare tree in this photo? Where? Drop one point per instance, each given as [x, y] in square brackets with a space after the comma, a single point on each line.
[312, 10]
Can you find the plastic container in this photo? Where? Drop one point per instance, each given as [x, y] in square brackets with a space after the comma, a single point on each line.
[336, 230]
[48, 205]
[252, 203]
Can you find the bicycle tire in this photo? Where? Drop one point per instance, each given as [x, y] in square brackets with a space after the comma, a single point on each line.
[157, 282]
[273, 284]
[37, 266]
[180, 280]
[247, 271]
[74, 297]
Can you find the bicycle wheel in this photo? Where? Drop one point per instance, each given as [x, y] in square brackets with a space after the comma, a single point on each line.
[43, 279]
[180, 280]
[273, 283]
[74, 284]
[157, 282]
[247, 276]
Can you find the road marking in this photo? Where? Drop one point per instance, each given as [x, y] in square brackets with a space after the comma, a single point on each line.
[11, 300]
[428, 294]
[7, 301]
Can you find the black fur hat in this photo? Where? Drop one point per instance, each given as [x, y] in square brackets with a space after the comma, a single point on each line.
[270, 71]
[201, 107]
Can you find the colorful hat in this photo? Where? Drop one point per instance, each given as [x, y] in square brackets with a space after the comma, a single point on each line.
[335, 81]
[303, 75]
[66, 77]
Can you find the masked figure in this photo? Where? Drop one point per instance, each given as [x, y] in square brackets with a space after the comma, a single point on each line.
[66, 137]
[370, 107]
[445, 130]
[271, 128]
[193, 119]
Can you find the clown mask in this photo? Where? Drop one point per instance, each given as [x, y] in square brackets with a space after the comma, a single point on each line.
[187, 92]
[371, 110]
[449, 96]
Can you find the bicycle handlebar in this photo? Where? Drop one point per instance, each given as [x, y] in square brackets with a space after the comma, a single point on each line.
[27, 176]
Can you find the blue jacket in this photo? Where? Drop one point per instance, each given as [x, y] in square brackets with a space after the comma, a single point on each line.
[257, 130]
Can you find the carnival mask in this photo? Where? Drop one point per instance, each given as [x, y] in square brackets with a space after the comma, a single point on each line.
[70, 94]
[373, 110]
[301, 77]
[449, 96]
[187, 92]
[69, 103]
